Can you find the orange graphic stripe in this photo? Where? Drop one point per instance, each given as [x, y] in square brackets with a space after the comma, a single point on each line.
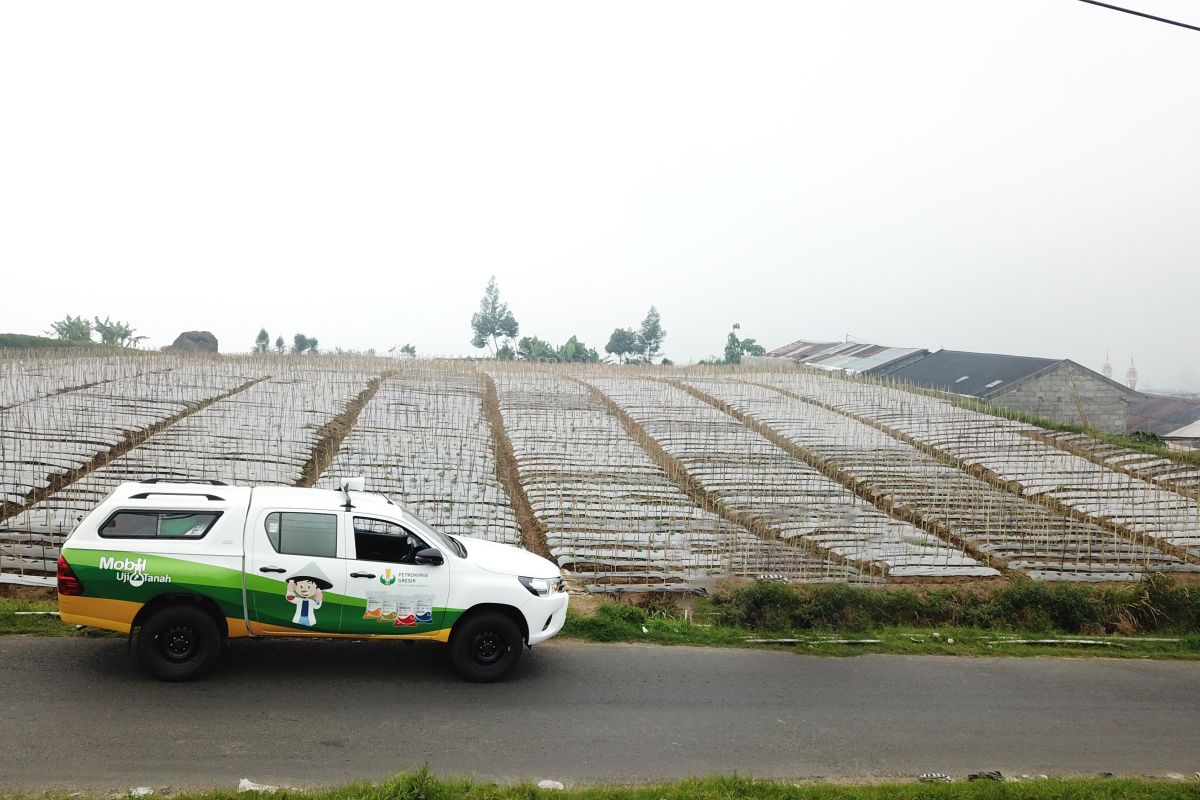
[264, 629]
[118, 615]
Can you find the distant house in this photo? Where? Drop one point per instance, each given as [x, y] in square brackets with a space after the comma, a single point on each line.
[798, 350]
[1057, 389]
[850, 357]
[1185, 438]
[1175, 419]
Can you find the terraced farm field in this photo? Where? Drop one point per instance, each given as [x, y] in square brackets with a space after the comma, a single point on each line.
[631, 479]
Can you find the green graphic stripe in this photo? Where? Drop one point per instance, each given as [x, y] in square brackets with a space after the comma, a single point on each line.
[338, 613]
[222, 584]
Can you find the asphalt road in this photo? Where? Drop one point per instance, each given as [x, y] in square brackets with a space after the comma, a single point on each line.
[79, 713]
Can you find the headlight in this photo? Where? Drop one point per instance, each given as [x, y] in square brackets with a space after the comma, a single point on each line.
[542, 587]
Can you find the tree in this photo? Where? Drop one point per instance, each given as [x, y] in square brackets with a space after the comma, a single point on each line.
[622, 344]
[262, 342]
[575, 351]
[506, 352]
[76, 330]
[280, 345]
[116, 334]
[531, 348]
[409, 351]
[735, 348]
[492, 321]
[303, 344]
[651, 336]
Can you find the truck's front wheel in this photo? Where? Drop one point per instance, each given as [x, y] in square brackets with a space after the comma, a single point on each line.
[486, 647]
[179, 643]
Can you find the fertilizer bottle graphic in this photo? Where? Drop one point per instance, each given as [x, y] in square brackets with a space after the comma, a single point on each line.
[387, 578]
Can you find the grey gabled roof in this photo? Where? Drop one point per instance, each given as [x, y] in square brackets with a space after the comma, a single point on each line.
[983, 375]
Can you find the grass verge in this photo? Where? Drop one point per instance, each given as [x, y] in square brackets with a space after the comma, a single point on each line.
[421, 785]
[613, 623]
[1156, 618]
[37, 617]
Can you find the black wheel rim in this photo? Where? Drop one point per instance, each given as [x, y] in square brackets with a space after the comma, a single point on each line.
[179, 643]
[487, 648]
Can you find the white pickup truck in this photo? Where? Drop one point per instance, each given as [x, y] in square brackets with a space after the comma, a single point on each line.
[192, 565]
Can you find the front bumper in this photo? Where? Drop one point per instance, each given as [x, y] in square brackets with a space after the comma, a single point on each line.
[549, 619]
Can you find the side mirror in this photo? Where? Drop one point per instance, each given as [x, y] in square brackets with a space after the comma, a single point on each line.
[430, 557]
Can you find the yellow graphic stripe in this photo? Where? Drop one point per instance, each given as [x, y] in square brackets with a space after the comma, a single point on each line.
[98, 612]
[263, 629]
[118, 615]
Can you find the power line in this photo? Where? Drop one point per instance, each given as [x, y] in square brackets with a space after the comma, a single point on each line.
[1141, 14]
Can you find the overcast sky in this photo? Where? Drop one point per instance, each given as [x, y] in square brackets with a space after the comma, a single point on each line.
[1015, 176]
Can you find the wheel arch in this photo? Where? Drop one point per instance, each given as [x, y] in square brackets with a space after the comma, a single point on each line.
[512, 612]
[168, 599]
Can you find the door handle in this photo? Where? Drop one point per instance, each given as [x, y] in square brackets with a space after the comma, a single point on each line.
[362, 574]
[271, 569]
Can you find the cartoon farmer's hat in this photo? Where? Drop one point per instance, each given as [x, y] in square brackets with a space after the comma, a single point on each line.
[312, 573]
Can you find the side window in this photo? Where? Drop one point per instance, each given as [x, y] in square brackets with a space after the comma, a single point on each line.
[380, 540]
[300, 534]
[158, 524]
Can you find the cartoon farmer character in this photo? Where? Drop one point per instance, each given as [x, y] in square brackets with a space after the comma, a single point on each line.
[305, 591]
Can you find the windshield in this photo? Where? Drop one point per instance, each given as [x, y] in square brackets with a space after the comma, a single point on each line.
[439, 540]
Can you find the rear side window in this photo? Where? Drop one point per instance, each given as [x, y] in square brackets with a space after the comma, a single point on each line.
[158, 524]
[299, 534]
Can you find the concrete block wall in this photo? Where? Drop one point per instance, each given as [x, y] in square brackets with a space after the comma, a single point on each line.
[1052, 395]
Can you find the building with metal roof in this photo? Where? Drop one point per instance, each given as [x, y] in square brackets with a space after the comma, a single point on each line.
[1175, 419]
[850, 357]
[1185, 438]
[859, 357]
[798, 350]
[1057, 389]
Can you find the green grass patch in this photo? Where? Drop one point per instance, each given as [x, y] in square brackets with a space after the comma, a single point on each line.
[421, 785]
[1156, 604]
[616, 623]
[1156, 618]
[29, 617]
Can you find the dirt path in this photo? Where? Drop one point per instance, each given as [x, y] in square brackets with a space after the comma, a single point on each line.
[711, 501]
[858, 487]
[331, 435]
[131, 440]
[533, 533]
[999, 482]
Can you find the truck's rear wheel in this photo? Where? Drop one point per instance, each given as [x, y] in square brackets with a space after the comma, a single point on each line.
[179, 643]
[486, 647]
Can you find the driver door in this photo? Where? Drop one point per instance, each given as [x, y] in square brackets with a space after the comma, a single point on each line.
[398, 596]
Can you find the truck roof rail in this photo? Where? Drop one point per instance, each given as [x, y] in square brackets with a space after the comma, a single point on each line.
[209, 481]
[148, 495]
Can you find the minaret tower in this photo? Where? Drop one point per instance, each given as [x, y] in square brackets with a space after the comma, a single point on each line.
[1106, 370]
[1131, 375]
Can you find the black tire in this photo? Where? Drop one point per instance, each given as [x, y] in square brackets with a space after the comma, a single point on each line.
[486, 647]
[179, 643]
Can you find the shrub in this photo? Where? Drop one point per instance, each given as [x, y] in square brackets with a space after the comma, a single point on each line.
[659, 605]
[611, 623]
[1156, 603]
